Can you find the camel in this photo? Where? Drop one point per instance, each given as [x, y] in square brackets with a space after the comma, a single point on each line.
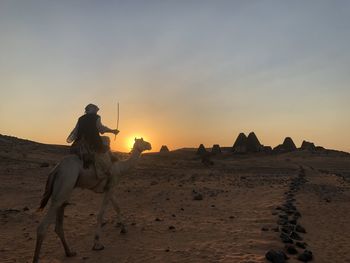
[69, 174]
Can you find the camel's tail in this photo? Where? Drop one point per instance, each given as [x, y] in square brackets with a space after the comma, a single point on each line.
[48, 188]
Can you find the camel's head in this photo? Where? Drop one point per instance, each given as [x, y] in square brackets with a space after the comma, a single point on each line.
[141, 145]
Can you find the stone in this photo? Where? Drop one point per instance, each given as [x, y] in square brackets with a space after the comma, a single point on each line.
[198, 196]
[282, 222]
[291, 249]
[287, 229]
[276, 256]
[293, 221]
[300, 229]
[286, 239]
[295, 236]
[301, 244]
[283, 217]
[305, 256]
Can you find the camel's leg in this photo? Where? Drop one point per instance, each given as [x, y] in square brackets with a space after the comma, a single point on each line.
[42, 229]
[120, 222]
[97, 244]
[59, 230]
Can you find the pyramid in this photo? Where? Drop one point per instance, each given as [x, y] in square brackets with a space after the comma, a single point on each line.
[253, 144]
[164, 149]
[201, 149]
[216, 149]
[240, 145]
[267, 149]
[288, 145]
[308, 146]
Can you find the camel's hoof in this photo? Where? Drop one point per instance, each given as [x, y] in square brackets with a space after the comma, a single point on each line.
[98, 247]
[71, 254]
[123, 230]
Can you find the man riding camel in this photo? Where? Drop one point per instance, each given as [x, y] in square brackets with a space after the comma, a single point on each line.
[86, 137]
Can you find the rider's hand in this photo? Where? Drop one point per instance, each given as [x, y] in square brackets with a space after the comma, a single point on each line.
[115, 131]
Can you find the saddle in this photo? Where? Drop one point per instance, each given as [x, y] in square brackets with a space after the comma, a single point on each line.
[84, 152]
[82, 149]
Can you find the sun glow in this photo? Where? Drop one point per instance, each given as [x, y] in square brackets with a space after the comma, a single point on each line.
[130, 141]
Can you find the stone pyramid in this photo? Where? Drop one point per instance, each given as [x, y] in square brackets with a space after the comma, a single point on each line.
[216, 149]
[164, 149]
[201, 149]
[288, 145]
[253, 144]
[310, 146]
[240, 145]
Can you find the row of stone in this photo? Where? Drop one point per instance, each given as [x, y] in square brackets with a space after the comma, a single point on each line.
[288, 226]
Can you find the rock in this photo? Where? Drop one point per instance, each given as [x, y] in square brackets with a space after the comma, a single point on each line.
[301, 244]
[157, 219]
[287, 229]
[264, 229]
[276, 256]
[25, 208]
[123, 230]
[295, 236]
[282, 222]
[293, 221]
[300, 229]
[305, 256]
[171, 228]
[198, 196]
[291, 249]
[286, 239]
[297, 214]
[283, 217]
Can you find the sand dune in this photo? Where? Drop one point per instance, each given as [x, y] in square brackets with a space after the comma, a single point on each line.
[234, 221]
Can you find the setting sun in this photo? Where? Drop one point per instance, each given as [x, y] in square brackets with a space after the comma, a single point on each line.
[129, 143]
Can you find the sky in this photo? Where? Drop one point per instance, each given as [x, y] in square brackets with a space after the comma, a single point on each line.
[184, 72]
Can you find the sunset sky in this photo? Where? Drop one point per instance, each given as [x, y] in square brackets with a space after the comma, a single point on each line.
[184, 72]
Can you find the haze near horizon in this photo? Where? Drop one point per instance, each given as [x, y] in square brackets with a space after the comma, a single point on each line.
[184, 72]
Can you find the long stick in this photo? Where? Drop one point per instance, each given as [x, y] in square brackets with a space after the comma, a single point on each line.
[117, 119]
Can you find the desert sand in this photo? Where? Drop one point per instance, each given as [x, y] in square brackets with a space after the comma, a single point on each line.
[233, 220]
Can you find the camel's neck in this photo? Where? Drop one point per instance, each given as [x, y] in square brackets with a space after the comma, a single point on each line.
[126, 165]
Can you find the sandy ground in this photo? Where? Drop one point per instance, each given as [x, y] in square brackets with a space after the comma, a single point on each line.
[165, 223]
